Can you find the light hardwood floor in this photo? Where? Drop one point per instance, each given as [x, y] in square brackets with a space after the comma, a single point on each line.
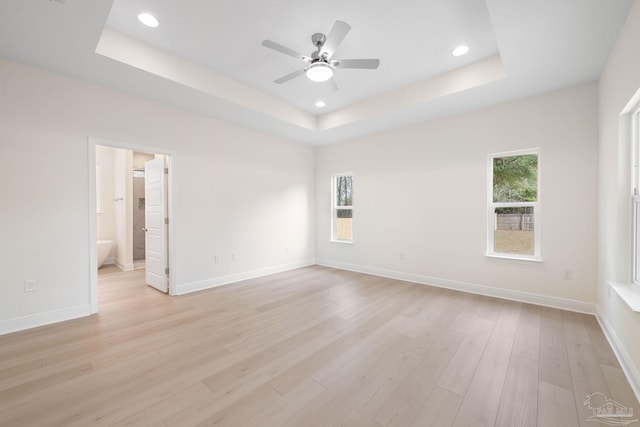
[309, 347]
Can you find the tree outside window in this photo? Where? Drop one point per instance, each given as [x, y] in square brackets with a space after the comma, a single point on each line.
[514, 205]
[342, 208]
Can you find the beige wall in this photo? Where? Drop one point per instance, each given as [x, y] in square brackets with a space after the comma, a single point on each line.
[420, 198]
[235, 191]
[105, 220]
[619, 82]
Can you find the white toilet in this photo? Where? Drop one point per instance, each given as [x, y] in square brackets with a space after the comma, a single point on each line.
[104, 249]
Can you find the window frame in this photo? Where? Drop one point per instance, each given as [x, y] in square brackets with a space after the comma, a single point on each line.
[492, 206]
[635, 196]
[335, 207]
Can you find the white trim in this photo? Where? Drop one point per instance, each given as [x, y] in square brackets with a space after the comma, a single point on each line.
[626, 362]
[42, 319]
[474, 288]
[126, 266]
[630, 294]
[93, 269]
[93, 250]
[346, 242]
[632, 105]
[635, 201]
[514, 257]
[233, 278]
[140, 264]
[634, 123]
[515, 204]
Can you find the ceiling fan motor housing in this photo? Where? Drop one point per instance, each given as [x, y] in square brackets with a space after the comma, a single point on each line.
[318, 40]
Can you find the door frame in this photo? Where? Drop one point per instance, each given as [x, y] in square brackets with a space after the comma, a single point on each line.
[93, 265]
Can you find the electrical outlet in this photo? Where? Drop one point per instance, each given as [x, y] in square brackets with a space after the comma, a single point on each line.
[286, 250]
[29, 285]
[567, 275]
[402, 256]
[216, 259]
[234, 257]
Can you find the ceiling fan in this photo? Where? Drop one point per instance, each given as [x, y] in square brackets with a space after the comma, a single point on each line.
[320, 65]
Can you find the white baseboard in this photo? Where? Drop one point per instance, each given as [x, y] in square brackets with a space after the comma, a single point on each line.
[125, 266]
[628, 367]
[41, 319]
[139, 264]
[508, 294]
[185, 288]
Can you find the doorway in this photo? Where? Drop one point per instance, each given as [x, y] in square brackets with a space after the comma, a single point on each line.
[130, 210]
[138, 209]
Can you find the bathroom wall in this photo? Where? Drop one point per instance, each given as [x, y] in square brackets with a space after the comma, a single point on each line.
[121, 216]
[105, 219]
[138, 205]
[123, 183]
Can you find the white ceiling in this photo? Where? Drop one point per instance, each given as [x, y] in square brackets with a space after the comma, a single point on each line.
[413, 42]
[207, 56]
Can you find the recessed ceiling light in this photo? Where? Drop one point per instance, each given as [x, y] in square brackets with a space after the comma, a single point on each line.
[148, 19]
[460, 50]
[320, 104]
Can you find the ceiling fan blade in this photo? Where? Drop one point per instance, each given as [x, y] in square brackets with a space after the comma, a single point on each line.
[336, 35]
[283, 49]
[289, 76]
[371, 64]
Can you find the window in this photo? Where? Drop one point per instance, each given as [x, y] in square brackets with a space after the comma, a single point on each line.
[342, 208]
[514, 205]
[635, 197]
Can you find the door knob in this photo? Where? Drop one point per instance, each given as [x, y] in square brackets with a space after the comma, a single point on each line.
[144, 229]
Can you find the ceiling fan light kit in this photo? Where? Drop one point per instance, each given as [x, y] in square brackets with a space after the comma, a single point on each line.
[319, 65]
[319, 72]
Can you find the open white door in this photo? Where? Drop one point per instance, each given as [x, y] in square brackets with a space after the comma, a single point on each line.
[155, 211]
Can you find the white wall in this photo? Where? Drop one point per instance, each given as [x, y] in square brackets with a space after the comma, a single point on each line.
[422, 191]
[105, 220]
[619, 82]
[123, 189]
[235, 190]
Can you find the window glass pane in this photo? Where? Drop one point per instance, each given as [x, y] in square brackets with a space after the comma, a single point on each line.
[344, 190]
[514, 230]
[344, 224]
[515, 178]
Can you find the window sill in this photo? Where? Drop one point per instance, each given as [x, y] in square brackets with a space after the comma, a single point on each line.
[347, 242]
[515, 257]
[629, 293]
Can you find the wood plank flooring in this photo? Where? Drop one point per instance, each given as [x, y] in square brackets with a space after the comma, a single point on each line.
[309, 347]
